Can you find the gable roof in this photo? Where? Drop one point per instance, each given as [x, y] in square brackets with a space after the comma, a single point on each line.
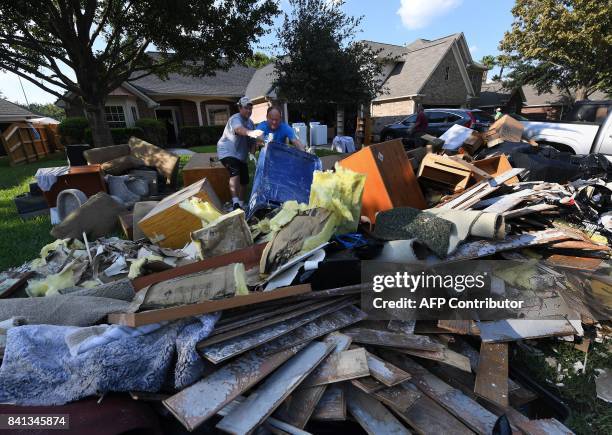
[230, 83]
[261, 83]
[494, 94]
[11, 111]
[554, 98]
[416, 64]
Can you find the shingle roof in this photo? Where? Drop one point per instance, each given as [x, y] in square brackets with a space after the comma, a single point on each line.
[8, 109]
[416, 65]
[261, 82]
[232, 82]
[494, 94]
[554, 98]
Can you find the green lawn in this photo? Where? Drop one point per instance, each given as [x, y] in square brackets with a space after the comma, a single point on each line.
[21, 240]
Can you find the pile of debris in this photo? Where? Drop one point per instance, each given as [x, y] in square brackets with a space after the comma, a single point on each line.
[260, 324]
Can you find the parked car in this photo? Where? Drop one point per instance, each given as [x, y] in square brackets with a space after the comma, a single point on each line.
[439, 120]
[575, 137]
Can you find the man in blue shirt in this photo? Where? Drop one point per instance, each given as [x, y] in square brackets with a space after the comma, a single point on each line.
[281, 131]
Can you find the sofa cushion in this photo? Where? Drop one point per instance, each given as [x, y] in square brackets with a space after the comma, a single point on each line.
[165, 162]
[104, 154]
[122, 165]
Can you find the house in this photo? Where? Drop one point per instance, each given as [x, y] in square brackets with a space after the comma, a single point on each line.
[551, 105]
[436, 73]
[181, 100]
[493, 95]
[11, 112]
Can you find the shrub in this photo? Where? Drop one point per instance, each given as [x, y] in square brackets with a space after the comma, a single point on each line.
[120, 135]
[73, 130]
[154, 131]
[199, 136]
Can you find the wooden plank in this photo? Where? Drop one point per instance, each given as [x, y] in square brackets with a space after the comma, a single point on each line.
[400, 397]
[303, 401]
[224, 350]
[528, 210]
[248, 256]
[385, 372]
[319, 327]
[463, 327]
[368, 384]
[339, 291]
[174, 313]
[373, 416]
[492, 376]
[349, 364]
[200, 401]
[267, 322]
[392, 339]
[519, 329]
[332, 405]
[261, 404]
[445, 356]
[472, 414]
[573, 262]
[13, 281]
[425, 415]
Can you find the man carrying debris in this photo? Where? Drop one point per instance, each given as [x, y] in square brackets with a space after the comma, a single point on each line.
[420, 127]
[239, 137]
[280, 130]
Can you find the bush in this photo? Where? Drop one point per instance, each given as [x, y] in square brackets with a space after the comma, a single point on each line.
[154, 131]
[199, 136]
[73, 130]
[120, 135]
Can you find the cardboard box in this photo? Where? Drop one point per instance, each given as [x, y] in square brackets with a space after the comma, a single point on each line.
[390, 180]
[170, 226]
[496, 166]
[504, 129]
[207, 165]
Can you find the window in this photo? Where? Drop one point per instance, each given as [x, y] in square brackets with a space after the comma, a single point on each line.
[436, 117]
[217, 114]
[453, 118]
[446, 72]
[482, 116]
[115, 116]
[409, 120]
[134, 114]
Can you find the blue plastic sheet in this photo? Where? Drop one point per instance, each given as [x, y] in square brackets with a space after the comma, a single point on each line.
[283, 174]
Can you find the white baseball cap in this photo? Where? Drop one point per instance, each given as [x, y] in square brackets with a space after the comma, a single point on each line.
[244, 101]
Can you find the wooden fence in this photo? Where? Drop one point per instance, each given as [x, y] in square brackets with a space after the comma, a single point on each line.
[26, 142]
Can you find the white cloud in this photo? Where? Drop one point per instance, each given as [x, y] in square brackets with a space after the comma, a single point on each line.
[473, 49]
[416, 14]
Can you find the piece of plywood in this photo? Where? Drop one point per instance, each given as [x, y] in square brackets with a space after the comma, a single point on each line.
[170, 226]
[182, 311]
[445, 356]
[332, 406]
[224, 350]
[492, 376]
[400, 397]
[521, 329]
[392, 339]
[200, 401]
[390, 180]
[319, 327]
[304, 400]
[262, 403]
[385, 372]
[349, 364]
[368, 384]
[373, 417]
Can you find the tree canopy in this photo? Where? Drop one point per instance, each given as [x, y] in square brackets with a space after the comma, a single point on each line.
[561, 43]
[48, 110]
[319, 62]
[104, 42]
[259, 60]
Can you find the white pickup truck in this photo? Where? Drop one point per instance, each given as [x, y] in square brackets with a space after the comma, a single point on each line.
[577, 137]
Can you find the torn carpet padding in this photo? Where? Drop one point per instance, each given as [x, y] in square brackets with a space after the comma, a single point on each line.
[441, 230]
[38, 368]
[225, 234]
[98, 217]
[78, 308]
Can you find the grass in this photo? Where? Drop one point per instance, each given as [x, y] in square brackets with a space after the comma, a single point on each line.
[21, 240]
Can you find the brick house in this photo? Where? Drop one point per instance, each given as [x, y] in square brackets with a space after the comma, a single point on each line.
[493, 95]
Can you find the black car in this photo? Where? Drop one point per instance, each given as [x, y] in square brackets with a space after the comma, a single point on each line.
[439, 120]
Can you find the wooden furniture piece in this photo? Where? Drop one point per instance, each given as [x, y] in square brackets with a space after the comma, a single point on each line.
[390, 180]
[170, 226]
[25, 142]
[88, 179]
[495, 166]
[207, 165]
[445, 171]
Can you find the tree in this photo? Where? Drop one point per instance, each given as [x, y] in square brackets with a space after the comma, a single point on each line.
[488, 61]
[259, 60]
[48, 110]
[104, 42]
[562, 43]
[319, 63]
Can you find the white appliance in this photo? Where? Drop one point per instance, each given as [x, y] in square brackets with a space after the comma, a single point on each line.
[318, 134]
[301, 131]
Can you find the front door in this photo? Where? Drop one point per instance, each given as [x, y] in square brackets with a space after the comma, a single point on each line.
[169, 119]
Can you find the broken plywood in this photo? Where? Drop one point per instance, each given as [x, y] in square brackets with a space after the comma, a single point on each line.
[492, 375]
[372, 416]
[385, 372]
[392, 339]
[349, 364]
[332, 405]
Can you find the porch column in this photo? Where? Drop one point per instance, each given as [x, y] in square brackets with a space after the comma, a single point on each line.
[340, 120]
[199, 108]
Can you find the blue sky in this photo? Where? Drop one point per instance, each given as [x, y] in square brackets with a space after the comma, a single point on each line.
[483, 23]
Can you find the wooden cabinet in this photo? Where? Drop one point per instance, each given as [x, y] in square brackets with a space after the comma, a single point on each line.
[206, 165]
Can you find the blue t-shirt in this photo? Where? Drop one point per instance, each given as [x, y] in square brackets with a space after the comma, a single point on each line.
[283, 132]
